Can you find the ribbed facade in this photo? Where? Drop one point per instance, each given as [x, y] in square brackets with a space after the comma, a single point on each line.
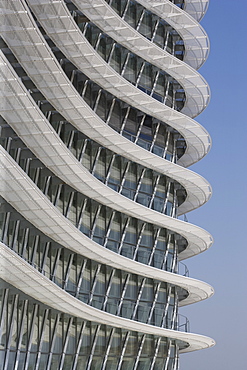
[98, 99]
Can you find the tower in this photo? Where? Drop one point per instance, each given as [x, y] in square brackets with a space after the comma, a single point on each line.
[97, 132]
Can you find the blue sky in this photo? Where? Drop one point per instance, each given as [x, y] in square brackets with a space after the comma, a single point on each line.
[223, 317]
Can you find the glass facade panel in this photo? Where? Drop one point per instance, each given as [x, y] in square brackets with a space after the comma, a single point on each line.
[56, 338]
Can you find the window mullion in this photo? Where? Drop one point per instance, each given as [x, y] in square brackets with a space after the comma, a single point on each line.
[166, 252]
[139, 183]
[108, 289]
[83, 92]
[9, 330]
[154, 190]
[94, 223]
[125, 284]
[157, 346]
[71, 138]
[154, 302]
[80, 278]
[166, 90]
[98, 41]
[41, 337]
[44, 258]
[125, 10]
[155, 136]
[124, 176]
[169, 291]
[108, 172]
[94, 282]
[97, 100]
[58, 193]
[111, 52]
[73, 75]
[125, 64]
[37, 175]
[110, 111]
[83, 149]
[174, 153]
[6, 227]
[139, 74]
[155, 30]
[140, 19]
[108, 229]
[155, 83]
[140, 128]
[8, 145]
[18, 156]
[139, 352]
[139, 239]
[55, 265]
[78, 347]
[34, 250]
[125, 342]
[123, 234]
[96, 160]
[20, 334]
[71, 197]
[108, 349]
[167, 195]
[93, 347]
[81, 213]
[169, 345]
[52, 344]
[166, 39]
[175, 312]
[47, 185]
[124, 120]
[154, 246]
[15, 235]
[25, 241]
[66, 340]
[138, 298]
[67, 272]
[30, 337]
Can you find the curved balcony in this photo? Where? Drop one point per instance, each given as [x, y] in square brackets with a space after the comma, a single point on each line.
[62, 95]
[35, 207]
[33, 121]
[196, 8]
[97, 101]
[196, 88]
[25, 277]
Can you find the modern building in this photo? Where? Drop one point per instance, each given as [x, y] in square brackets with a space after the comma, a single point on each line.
[97, 131]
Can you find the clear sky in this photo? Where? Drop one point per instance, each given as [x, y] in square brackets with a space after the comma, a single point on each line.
[223, 317]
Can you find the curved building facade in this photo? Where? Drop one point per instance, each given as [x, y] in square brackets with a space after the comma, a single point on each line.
[98, 100]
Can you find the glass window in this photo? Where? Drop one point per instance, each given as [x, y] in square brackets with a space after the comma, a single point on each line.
[147, 77]
[100, 343]
[131, 69]
[131, 291]
[100, 282]
[130, 236]
[146, 25]
[132, 347]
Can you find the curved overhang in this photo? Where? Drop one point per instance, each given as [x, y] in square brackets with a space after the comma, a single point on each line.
[37, 59]
[19, 109]
[26, 278]
[196, 88]
[56, 19]
[35, 130]
[198, 239]
[19, 190]
[196, 8]
[195, 38]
